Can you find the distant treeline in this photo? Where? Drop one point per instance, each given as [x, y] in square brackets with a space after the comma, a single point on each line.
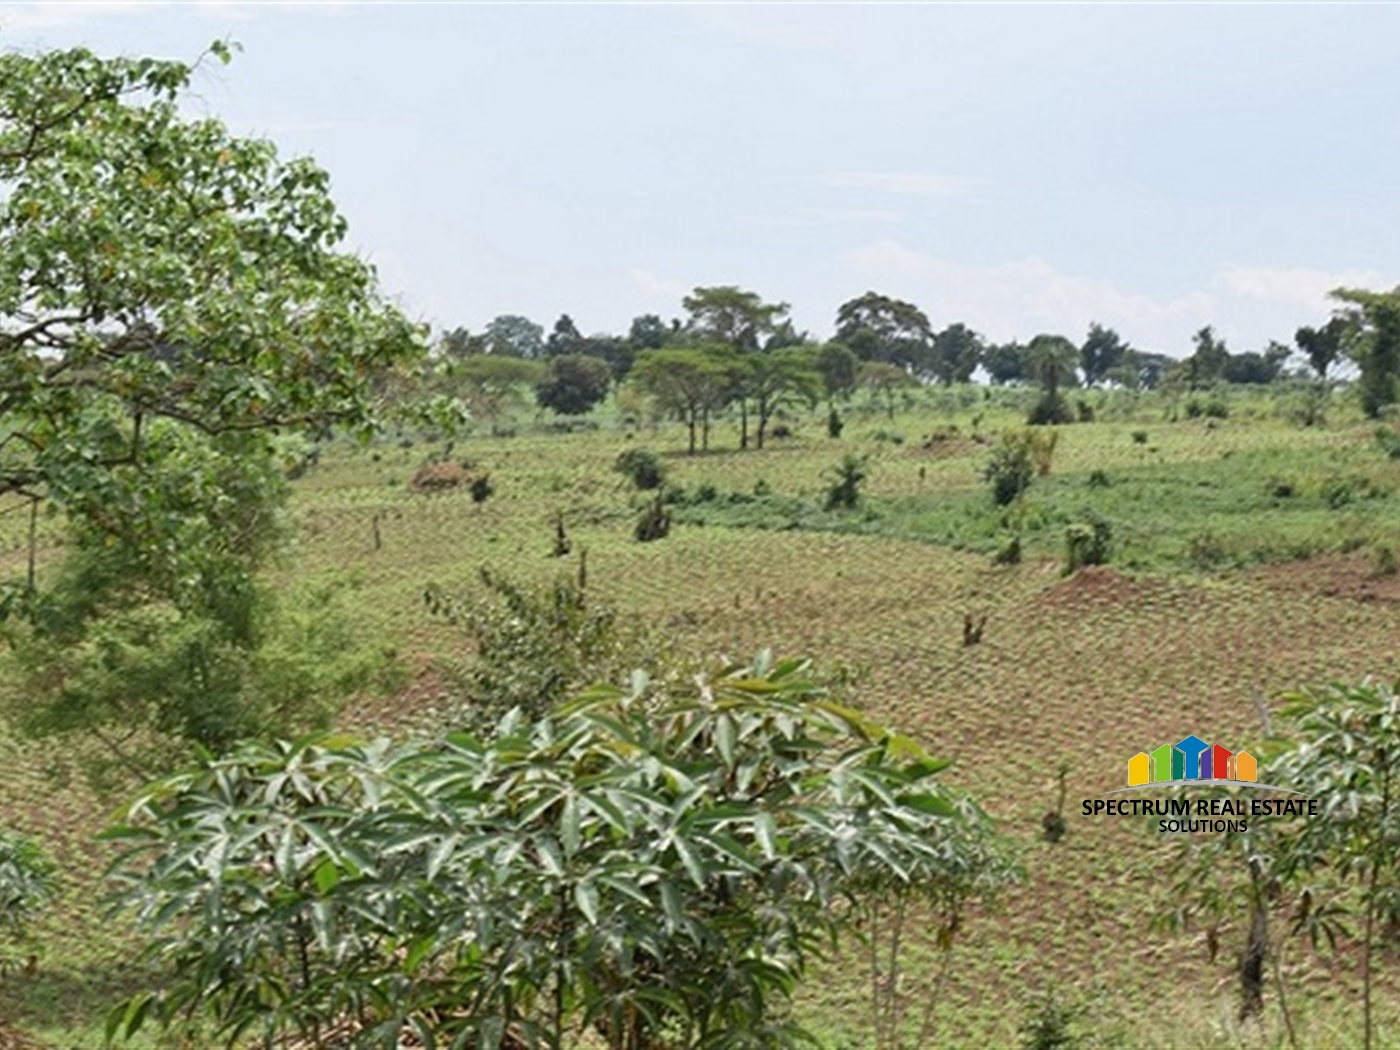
[734, 346]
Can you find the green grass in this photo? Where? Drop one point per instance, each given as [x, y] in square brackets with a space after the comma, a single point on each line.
[1184, 633]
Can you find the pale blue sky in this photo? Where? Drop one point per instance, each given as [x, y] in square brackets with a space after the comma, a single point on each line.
[1017, 168]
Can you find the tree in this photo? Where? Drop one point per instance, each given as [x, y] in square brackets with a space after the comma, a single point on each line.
[658, 864]
[564, 339]
[492, 383]
[1102, 352]
[511, 335]
[887, 381]
[1255, 368]
[878, 328]
[693, 382]
[1051, 359]
[1141, 370]
[1005, 363]
[156, 267]
[838, 368]
[461, 343]
[1207, 363]
[617, 352]
[1375, 348]
[573, 384]
[171, 297]
[955, 354]
[648, 332]
[741, 321]
[779, 377]
[1323, 346]
[1348, 758]
[727, 314]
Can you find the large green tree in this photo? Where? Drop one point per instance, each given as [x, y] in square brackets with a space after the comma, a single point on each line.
[954, 354]
[1323, 346]
[878, 328]
[1375, 318]
[157, 267]
[171, 298]
[573, 384]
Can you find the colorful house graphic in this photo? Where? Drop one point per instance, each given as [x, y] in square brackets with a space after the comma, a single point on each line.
[1190, 759]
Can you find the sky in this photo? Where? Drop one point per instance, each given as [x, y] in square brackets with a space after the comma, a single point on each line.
[1016, 168]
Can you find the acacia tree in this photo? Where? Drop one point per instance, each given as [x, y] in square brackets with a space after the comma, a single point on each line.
[777, 378]
[692, 382]
[730, 316]
[171, 297]
[658, 864]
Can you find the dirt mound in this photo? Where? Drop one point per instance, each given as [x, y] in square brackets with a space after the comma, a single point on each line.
[1354, 576]
[1094, 585]
[436, 477]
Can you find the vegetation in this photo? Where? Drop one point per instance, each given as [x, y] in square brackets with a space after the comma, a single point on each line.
[226, 463]
[651, 864]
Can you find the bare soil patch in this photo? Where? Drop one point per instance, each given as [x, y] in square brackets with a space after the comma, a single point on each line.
[1351, 576]
[1095, 585]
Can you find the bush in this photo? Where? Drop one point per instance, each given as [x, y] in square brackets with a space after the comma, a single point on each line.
[481, 488]
[1139, 437]
[689, 847]
[1087, 543]
[654, 523]
[1011, 468]
[26, 883]
[533, 645]
[1050, 410]
[834, 424]
[642, 467]
[847, 476]
[1389, 442]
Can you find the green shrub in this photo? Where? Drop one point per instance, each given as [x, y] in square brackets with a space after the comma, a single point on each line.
[1050, 410]
[642, 467]
[1011, 468]
[834, 424]
[26, 883]
[847, 476]
[1087, 543]
[1389, 441]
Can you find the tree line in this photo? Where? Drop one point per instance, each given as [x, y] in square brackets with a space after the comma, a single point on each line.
[735, 349]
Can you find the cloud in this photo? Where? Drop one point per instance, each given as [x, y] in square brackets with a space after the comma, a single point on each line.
[906, 183]
[1302, 288]
[1020, 298]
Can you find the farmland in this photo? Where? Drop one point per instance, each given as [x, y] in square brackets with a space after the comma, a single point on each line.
[1248, 556]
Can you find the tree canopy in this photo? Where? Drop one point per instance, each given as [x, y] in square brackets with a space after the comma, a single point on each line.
[157, 267]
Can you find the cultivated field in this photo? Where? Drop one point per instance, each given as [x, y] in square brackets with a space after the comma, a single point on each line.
[1249, 556]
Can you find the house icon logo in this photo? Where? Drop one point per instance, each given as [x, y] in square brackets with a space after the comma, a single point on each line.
[1191, 760]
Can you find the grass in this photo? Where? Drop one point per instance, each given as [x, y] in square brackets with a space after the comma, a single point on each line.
[1197, 620]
